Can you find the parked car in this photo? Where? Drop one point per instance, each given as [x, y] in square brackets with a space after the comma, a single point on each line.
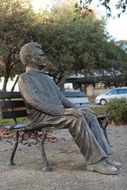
[120, 92]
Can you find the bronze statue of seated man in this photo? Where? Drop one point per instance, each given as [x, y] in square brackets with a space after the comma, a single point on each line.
[46, 105]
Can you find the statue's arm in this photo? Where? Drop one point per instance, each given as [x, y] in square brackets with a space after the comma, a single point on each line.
[32, 98]
[65, 102]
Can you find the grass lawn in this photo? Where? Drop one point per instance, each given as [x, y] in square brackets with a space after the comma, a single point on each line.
[99, 110]
[10, 122]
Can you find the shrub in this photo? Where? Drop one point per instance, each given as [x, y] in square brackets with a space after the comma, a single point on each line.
[117, 110]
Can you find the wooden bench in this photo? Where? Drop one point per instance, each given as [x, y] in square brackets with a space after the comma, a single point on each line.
[76, 97]
[12, 107]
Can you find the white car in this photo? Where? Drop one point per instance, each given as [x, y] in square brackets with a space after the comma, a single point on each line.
[120, 92]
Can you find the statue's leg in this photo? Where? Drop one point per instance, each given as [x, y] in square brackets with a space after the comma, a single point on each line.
[92, 121]
[81, 132]
[94, 155]
[86, 141]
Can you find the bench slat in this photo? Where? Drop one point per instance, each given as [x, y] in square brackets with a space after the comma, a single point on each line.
[78, 100]
[12, 104]
[5, 95]
[14, 114]
[74, 94]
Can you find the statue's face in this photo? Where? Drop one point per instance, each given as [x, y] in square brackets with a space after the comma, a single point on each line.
[38, 58]
[31, 55]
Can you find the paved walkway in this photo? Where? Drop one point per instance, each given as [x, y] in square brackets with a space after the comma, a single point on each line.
[69, 172]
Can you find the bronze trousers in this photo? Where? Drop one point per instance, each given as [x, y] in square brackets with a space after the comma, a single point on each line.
[85, 129]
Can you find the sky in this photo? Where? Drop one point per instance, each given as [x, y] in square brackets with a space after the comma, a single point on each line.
[116, 27]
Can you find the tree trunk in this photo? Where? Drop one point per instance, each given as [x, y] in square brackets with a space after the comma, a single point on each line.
[8, 68]
[61, 81]
[5, 83]
[13, 87]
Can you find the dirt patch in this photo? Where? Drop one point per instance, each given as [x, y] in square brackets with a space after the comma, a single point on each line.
[69, 167]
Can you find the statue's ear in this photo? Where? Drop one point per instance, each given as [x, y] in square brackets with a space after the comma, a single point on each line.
[28, 59]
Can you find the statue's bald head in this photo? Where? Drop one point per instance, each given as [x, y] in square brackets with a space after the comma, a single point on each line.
[28, 51]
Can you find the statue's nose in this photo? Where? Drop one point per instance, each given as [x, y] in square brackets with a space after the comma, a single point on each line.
[44, 57]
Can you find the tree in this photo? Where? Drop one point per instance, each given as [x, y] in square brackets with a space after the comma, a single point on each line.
[76, 42]
[114, 65]
[68, 36]
[120, 5]
[73, 38]
[17, 20]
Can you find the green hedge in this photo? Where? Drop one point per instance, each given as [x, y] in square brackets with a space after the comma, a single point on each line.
[117, 110]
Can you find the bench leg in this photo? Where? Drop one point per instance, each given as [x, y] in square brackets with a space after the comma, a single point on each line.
[106, 135]
[46, 166]
[103, 124]
[14, 149]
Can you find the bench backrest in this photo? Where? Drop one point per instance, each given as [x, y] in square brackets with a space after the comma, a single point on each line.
[12, 105]
[76, 97]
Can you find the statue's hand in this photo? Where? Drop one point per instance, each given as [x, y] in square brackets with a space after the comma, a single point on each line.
[74, 111]
[77, 106]
[87, 109]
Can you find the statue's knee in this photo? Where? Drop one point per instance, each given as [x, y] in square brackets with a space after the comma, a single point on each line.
[87, 110]
[76, 119]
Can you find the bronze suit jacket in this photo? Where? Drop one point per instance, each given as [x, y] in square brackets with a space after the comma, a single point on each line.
[41, 96]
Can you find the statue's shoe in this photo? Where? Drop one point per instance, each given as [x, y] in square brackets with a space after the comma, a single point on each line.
[113, 162]
[103, 167]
